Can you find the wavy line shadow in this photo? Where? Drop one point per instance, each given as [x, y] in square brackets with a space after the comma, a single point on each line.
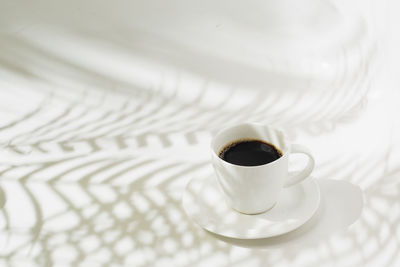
[32, 53]
[155, 210]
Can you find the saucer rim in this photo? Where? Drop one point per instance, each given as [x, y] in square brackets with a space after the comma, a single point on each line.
[312, 180]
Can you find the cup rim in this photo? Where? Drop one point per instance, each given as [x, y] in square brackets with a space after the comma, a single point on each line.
[284, 136]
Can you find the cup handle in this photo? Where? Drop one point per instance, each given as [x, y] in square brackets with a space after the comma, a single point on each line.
[298, 176]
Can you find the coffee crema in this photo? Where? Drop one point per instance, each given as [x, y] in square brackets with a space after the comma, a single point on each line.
[249, 152]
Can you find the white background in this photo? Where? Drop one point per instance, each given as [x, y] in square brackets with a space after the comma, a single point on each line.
[107, 110]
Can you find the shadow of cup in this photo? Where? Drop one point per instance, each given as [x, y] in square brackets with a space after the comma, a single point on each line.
[341, 205]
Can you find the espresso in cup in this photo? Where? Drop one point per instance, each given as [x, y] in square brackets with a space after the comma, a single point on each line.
[249, 152]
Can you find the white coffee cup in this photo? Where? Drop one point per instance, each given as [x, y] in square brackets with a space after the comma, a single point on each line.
[255, 189]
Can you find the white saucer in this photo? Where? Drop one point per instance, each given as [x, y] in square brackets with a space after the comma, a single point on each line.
[205, 205]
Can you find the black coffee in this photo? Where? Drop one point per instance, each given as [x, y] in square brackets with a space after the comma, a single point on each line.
[249, 153]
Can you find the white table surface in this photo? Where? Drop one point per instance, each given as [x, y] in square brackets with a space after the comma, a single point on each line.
[99, 138]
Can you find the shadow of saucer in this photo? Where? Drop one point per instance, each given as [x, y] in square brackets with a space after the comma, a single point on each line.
[341, 205]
